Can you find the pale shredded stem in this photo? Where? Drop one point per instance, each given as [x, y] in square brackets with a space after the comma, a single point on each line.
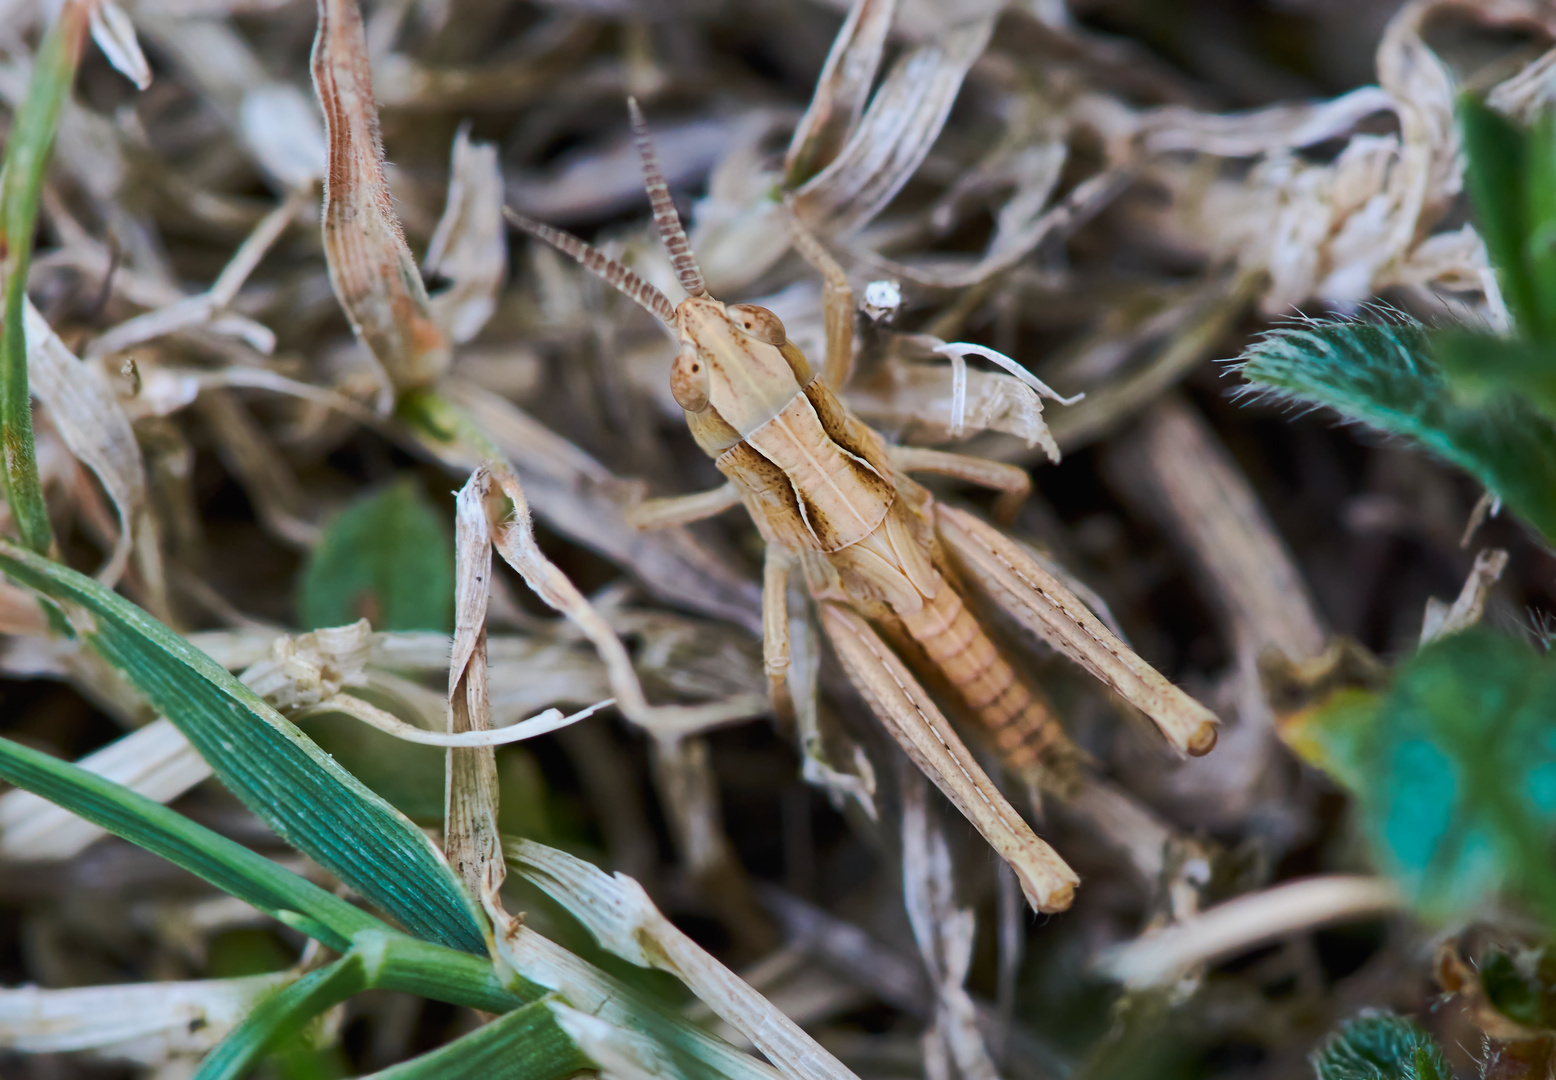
[959, 349]
[370, 714]
[1442, 620]
[203, 308]
[958, 390]
[625, 921]
[1245, 923]
[516, 543]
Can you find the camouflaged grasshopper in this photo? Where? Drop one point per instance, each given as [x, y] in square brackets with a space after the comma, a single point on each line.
[880, 556]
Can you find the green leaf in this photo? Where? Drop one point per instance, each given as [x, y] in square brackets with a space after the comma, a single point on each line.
[1539, 209]
[21, 184]
[1455, 774]
[1381, 374]
[1494, 173]
[1484, 366]
[389, 558]
[526, 1044]
[224, 863]
[277, 771]
[1380, 1047]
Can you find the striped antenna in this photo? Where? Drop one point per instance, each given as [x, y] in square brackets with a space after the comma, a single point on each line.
[593, 260]
[666, 220]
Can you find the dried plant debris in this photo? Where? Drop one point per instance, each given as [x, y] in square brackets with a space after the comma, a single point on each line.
[699, 646]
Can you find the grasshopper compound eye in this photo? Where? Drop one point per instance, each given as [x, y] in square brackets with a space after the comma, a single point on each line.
[759, 323]
[689, 379]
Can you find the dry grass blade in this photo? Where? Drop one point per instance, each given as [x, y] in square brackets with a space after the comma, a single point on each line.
[89, 418]
[1041, 601]
[159, 1025]
[944, 933]
[1247, 922]
[621, 916]
[370, 265]
[929, 740]
[115, 35]
[893, 138]
[1213, 508]
[469, 248]
[470, 840]
[841, 91]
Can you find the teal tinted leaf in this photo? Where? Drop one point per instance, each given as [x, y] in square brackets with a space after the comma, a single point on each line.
[1382, 375]
[389, 558]
[304, 795]
[1380, 1047]
[526, 1044]
[1460, 797]
[224, 863]
[1494, 173]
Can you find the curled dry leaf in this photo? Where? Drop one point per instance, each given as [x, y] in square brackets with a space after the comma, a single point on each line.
[371, 268]
[469, 248]
[894, 136]
[625, 921]
[841, 91]
[1442, 619]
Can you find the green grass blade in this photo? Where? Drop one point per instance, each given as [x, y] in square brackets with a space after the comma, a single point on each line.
[281, 1017]
[278, 772]
[1381, 374]
[224, 863]
[21, 182]
[526, 1044]
[390, 961]
[1495, 174]
[1484, 366]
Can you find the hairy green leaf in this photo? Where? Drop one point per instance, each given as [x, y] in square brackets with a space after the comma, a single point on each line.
[277, 771]
[389, 558]
[1380, 1047]
[1382, 374]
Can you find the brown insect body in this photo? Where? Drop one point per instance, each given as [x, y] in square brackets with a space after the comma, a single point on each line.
[825, 491]
[817, 481]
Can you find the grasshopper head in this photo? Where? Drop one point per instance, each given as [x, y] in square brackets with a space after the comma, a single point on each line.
[736, 360]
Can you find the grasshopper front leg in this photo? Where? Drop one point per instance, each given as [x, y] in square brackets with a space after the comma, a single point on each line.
[913, 720]
[675, 510]
[775, 632]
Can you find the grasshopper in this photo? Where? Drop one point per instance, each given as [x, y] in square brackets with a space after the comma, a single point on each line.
[882, 559]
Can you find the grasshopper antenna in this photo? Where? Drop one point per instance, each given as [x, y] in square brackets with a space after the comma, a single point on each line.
[595, 261]
[666, 220]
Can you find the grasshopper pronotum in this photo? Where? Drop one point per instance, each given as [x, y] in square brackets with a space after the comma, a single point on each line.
[879, 555]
